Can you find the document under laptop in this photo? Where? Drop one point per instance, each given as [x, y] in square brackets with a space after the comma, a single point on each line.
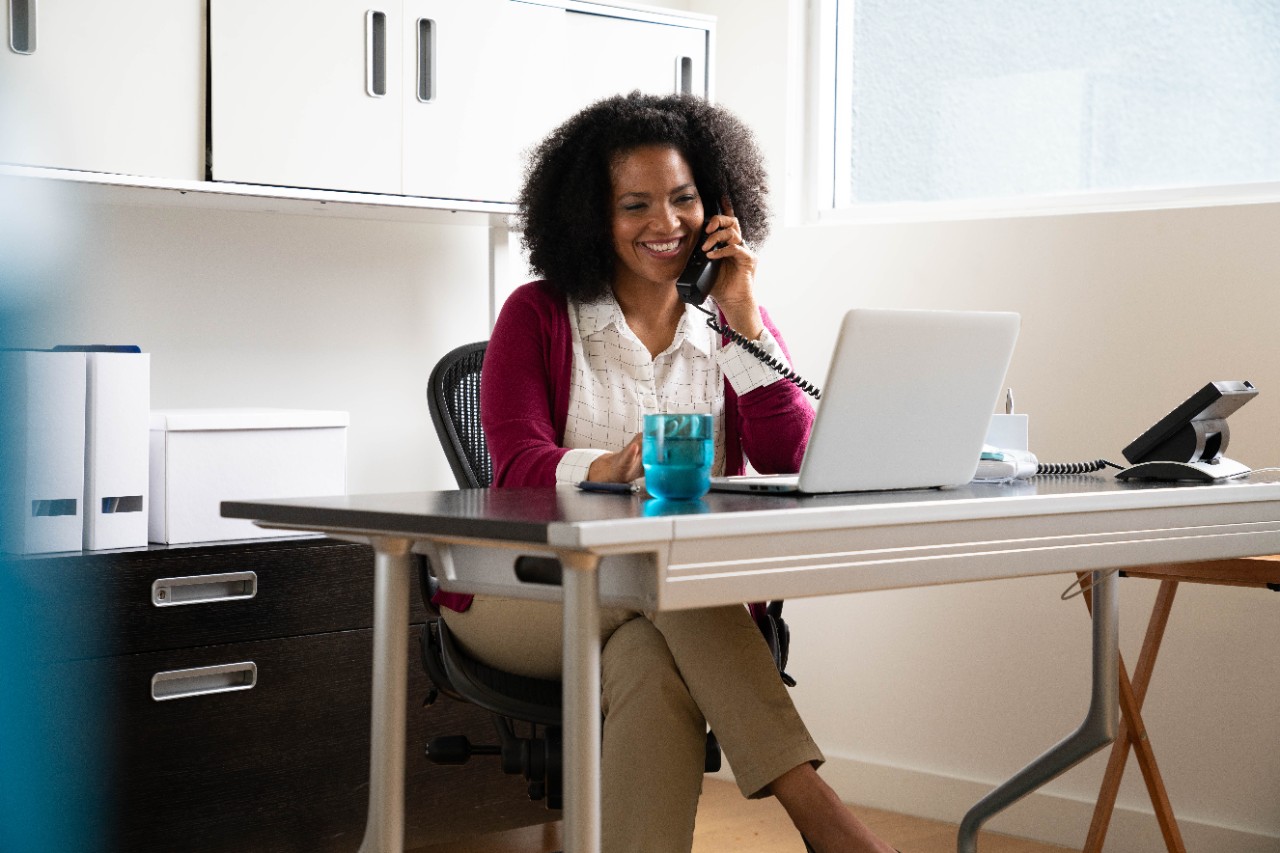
[907, 403]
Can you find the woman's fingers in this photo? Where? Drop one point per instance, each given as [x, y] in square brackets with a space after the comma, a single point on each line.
[634, 464]
[724, 232]
[621, 467]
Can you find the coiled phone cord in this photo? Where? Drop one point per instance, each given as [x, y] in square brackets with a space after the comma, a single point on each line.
[1075, 467]
[754, 348]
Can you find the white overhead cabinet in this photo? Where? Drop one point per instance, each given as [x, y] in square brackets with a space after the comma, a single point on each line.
[430, 98]
[615, 53]
[425, 99]
[488, 82]
[104, 87]
[306, 94]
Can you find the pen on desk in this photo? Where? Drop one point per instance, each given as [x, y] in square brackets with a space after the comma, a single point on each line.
[1008, 401]
[614, 488]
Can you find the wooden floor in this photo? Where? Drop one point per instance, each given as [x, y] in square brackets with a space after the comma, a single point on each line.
[729, 823]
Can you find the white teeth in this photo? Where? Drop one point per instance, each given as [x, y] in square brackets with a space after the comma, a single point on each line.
[664, 247]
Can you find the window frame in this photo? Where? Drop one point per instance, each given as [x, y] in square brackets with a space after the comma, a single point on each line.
[831, 121]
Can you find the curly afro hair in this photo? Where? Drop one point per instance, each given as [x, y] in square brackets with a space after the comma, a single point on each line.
[566, 203]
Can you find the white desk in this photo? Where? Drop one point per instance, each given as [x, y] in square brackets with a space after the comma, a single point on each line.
[630, 551]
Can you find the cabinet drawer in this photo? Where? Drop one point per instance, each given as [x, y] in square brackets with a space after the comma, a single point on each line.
[283, 765]
[127, 602]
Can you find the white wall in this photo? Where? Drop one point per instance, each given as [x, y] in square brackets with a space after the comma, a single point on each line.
[924, 699]
[275, 310]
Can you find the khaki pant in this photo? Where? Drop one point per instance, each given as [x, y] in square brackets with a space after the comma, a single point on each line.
[664, 678]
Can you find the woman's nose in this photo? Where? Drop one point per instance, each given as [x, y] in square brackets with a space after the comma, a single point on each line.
[666, 217]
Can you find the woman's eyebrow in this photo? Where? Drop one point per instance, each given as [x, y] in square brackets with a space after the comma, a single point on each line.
[643, 195]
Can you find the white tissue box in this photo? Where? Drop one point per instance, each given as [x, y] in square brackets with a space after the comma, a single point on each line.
[202, 457]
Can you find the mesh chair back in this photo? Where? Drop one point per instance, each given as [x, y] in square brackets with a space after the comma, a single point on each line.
[453, 395]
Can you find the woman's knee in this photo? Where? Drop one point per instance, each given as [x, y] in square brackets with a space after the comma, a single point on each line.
[637, 670]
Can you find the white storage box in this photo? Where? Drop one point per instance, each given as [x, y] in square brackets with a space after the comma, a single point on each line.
[201, 457]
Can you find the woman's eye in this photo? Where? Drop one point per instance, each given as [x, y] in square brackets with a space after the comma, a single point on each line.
[632, 208]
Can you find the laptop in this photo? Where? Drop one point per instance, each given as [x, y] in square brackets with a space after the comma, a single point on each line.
[908, 399]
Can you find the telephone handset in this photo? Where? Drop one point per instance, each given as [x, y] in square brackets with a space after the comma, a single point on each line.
[696, 281]
[699, 274]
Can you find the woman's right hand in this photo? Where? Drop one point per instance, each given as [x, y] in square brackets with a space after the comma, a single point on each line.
[621, 467]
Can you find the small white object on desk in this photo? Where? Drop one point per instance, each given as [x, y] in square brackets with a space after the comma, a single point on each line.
[1005, 452]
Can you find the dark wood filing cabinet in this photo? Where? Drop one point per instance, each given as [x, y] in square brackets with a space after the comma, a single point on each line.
[281, 765]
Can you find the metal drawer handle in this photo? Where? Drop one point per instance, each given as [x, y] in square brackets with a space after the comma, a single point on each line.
[201, 681]
[204, 589]
[375, 34]
[22, 26]
[426, 60]
[684, 75]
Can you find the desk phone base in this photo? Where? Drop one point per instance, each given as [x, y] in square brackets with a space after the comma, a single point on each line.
[1201, 472]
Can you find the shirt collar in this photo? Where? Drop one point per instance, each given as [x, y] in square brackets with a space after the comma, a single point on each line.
[597, 316]
[694, 330]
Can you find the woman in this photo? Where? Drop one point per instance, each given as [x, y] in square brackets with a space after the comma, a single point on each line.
[614, 202]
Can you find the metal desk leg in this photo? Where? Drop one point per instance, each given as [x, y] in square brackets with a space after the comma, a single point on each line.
[1097, 730]
[384, 825]
[581, 705]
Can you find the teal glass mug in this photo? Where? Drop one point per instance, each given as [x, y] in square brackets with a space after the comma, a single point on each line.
[677, 451]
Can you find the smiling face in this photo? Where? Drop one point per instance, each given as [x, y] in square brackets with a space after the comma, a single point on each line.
[656, 216]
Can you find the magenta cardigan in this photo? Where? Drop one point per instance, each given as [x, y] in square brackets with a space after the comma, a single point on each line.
[524, 402]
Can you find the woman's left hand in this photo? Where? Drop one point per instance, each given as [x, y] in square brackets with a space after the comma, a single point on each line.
[735, 284]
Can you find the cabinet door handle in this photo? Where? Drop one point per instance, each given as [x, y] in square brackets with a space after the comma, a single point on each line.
[203, 680]
[375, 40]
[22, 26]
[684, 75]
[204, 589]
[426, 60]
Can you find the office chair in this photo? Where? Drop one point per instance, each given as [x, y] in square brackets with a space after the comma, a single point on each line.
[453, 396]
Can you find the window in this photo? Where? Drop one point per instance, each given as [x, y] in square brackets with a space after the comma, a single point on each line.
[961, 100]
